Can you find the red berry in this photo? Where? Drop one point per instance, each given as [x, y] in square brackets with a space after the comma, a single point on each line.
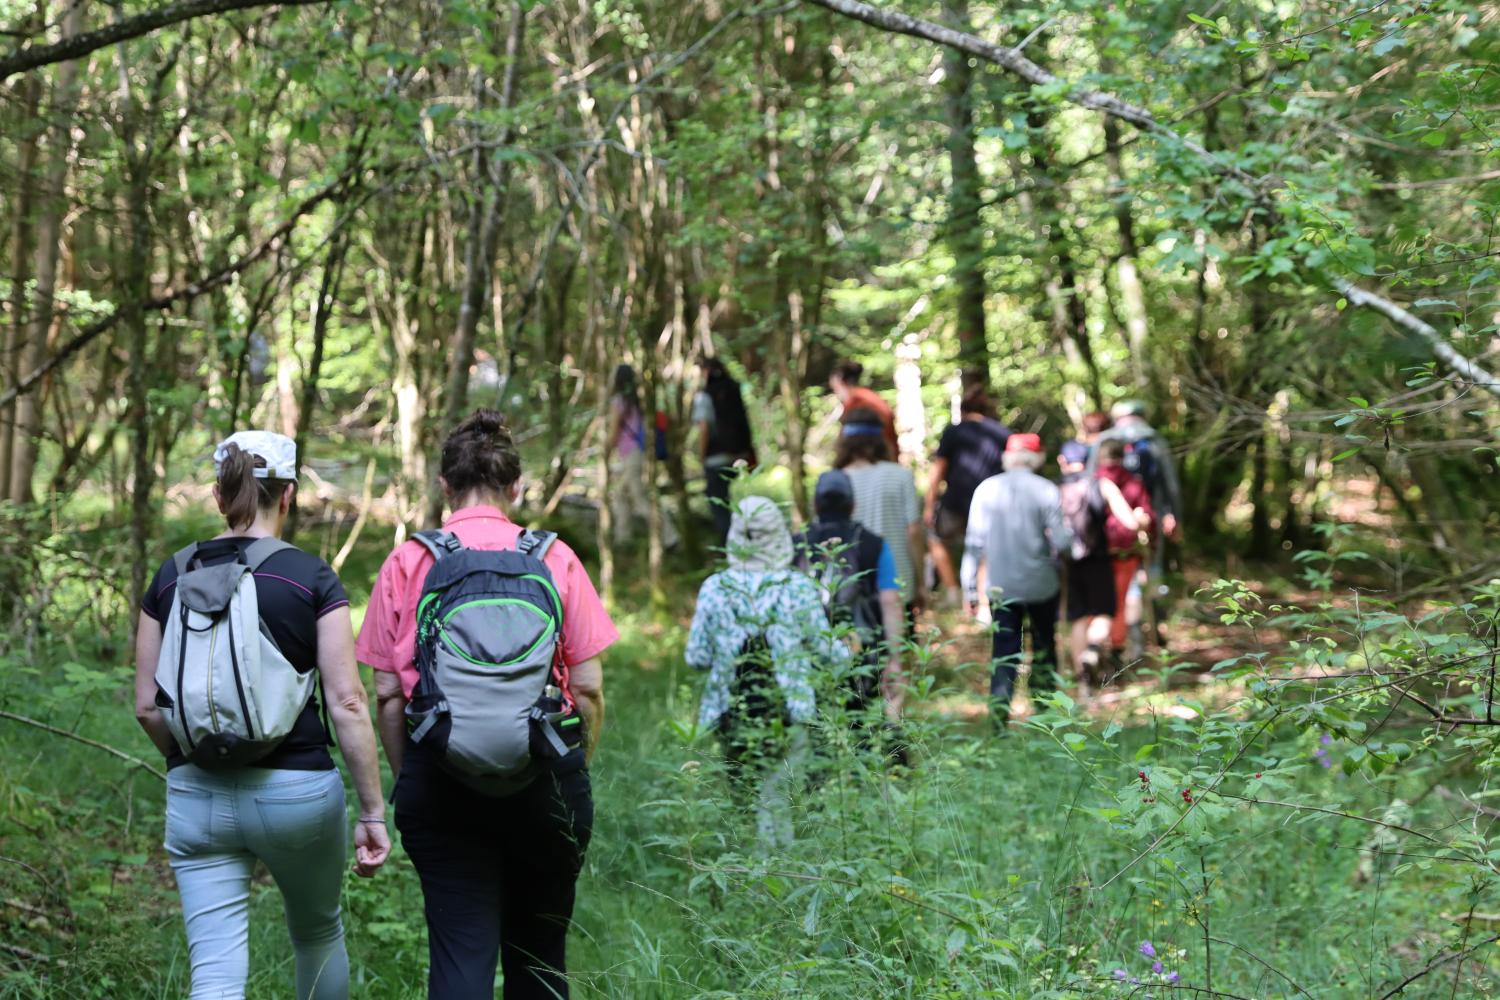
[1142, 776]
[1257, 774]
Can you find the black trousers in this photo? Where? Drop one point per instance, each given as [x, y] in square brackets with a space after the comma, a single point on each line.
[1040, 618]
[498, 877]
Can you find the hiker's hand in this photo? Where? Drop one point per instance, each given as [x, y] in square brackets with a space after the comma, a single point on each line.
[372, 845]
[1170, 527]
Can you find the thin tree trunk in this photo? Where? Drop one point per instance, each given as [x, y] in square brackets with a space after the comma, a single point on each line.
[33, 353]
[1260, 498]
[22, 251]
[486, 218]
[1127, 273]
[1069, 312]
[965, 228]
[328, 293]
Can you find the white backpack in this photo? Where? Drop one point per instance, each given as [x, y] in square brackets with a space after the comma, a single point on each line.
[227, 693]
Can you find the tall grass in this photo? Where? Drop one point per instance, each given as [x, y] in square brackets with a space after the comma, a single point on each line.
[993, 867]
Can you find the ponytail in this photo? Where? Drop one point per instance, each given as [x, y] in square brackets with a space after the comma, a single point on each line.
[241, 495]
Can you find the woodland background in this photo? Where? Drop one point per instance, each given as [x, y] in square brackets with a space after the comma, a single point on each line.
[1272, 220]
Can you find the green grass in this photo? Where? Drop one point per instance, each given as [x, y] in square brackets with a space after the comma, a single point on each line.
[980, 872]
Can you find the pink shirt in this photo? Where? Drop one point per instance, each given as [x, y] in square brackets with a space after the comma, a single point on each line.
[387, 640]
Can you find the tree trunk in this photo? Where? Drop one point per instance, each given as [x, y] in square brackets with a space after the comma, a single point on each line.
[33, 351]
[328, 293]
[965, 228]
[1127, 273]
[22, 250]
[486, 216]
[1069, 312]
[1260, 498]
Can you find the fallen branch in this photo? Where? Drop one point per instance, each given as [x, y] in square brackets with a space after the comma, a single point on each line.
[35, 56]
[27, 954]
[1012, 60]
[143, 765]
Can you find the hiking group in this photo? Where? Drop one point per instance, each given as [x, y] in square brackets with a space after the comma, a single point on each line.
[485, 641]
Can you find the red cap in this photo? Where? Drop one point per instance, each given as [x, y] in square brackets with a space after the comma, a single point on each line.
[1024, 442]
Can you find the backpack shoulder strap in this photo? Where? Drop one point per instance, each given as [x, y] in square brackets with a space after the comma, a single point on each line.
[535, 543]
[183, 558]
[439, 543]
[258, 551]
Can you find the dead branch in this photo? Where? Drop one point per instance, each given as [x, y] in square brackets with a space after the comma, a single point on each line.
[23, 720]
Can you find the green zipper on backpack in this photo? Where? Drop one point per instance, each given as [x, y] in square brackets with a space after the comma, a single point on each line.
[489, 602]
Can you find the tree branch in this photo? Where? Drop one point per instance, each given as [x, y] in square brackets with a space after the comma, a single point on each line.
[89, 333]
[84, 740]
[1013, 61]
[1445, 351]
[32, 57]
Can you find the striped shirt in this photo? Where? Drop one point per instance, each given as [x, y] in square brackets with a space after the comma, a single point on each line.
[885, 501]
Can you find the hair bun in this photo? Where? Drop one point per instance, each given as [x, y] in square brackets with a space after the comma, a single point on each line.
[487, 422]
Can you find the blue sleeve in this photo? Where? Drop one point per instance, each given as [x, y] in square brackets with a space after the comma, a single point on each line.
[885, 570]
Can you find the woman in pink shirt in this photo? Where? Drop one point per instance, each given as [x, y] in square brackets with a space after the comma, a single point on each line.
[498, 873]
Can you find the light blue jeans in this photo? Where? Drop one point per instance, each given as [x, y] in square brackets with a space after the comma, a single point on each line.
[218, 824]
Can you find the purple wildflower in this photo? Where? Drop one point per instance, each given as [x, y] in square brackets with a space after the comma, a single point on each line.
[1325, 762]
[1326, 740]
[1156, 966]
[1147, 949]
[1172, 976]
[1121, 974]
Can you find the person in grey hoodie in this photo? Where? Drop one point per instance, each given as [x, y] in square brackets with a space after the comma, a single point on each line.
[1014, 541]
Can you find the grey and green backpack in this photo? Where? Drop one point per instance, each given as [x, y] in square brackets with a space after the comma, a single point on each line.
[227, 693]
[491, 699]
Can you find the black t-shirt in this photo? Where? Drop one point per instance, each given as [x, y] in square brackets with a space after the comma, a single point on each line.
[972, 449]
[294, 589]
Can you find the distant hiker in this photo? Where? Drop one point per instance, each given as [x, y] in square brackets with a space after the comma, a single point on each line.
[1089, 502]
[845, 384]
[885, 501]
[1149, 457]
[236, 635]
[856, 576]
[760, 631]
[724, 439]
[1129, 542]
[625, 450]
[1094, 424]
[1015, 537]
[968, 453]
[485, 640]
